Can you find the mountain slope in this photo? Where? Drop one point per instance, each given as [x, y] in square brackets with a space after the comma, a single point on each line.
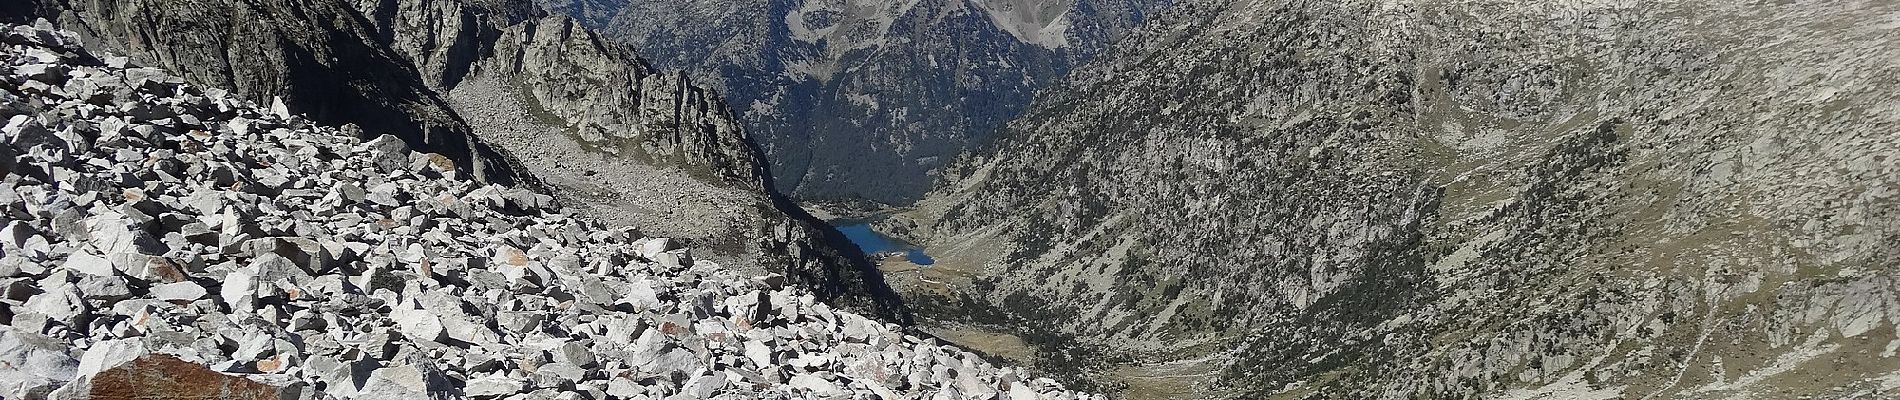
[1682, 199]
[168, 242]
[542, 99]
[863, 99]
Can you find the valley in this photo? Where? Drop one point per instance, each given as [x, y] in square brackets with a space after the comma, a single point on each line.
[949, 199]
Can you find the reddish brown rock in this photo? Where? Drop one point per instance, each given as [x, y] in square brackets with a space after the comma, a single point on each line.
[162, 376]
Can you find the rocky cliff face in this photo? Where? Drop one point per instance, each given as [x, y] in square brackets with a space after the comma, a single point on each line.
[864, 99]
[531, 98]
[322, 58]
[164, 241]
[1420, 199]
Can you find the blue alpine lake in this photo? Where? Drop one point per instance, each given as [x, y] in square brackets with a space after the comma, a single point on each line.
[871, 242]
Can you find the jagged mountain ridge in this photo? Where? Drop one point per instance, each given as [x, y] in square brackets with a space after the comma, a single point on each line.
[322, 58]
[550, 102]
[859, 100]
[1425, 199]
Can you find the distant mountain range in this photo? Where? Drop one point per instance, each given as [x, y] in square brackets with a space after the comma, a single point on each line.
[856, 100]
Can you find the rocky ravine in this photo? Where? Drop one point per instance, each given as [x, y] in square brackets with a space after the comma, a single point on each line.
[1426, 199]
[857, 100]
[586, 120]
[163, 241]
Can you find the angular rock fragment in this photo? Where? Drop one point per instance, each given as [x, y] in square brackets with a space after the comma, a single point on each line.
[89, 264]
[303, 252]
[163, 376]
[180, 291]
[815, 385]
[342, 378]
[404, 382]
[492, 386]
[419, 324]
[574, 353]
[32, 365]
[388, 153]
